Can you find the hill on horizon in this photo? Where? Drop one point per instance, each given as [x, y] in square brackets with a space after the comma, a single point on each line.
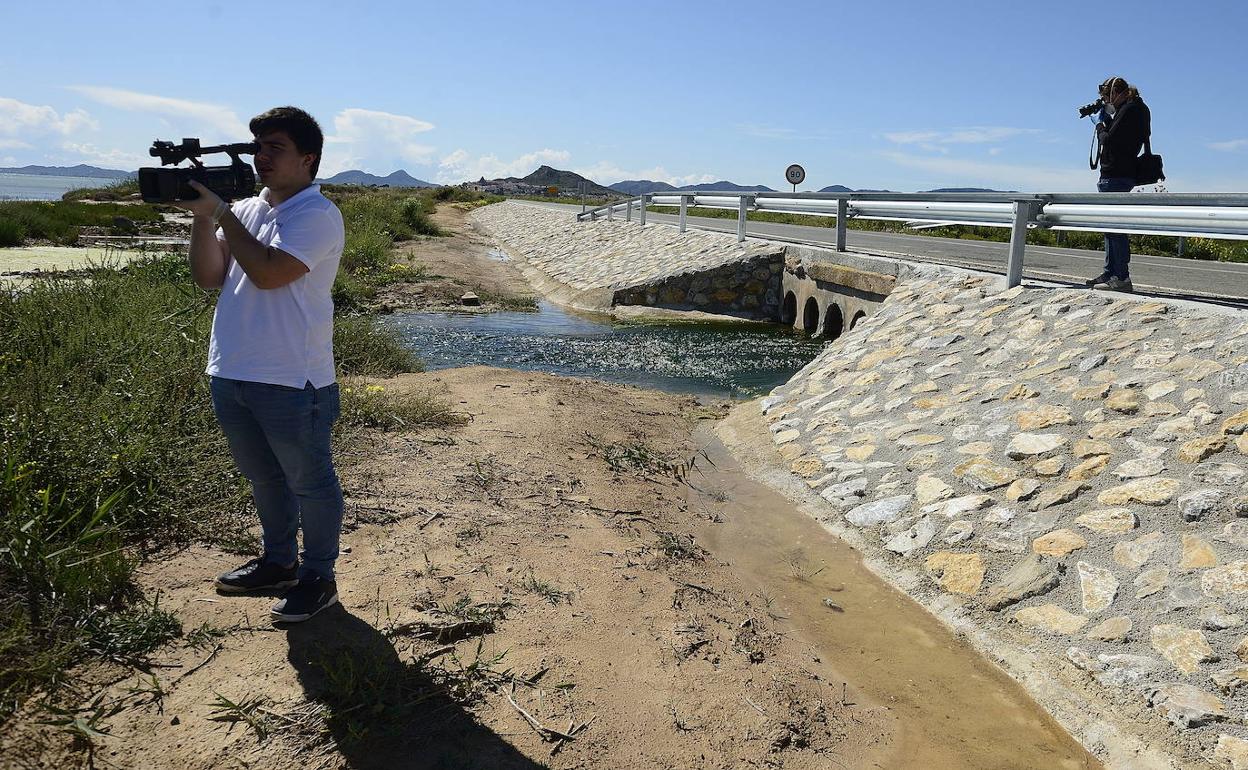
[639, 186]
[398, 178]
[81, 170]
[566, 181]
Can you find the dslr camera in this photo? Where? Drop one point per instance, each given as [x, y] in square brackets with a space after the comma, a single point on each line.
[165, 185]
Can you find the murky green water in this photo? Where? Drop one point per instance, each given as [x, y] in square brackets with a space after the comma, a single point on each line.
[725, 360]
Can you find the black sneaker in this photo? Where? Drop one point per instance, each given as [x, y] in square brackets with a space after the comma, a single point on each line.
[312, 595]
[1117, 284]
[257, 575]
[1102, 278]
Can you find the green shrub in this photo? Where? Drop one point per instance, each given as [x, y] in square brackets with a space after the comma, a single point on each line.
[362, 348]
[61, 222]
[11, 233]
[122, 188]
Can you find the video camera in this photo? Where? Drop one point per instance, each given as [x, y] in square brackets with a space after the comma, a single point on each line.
[1091, 108]
[164, 185]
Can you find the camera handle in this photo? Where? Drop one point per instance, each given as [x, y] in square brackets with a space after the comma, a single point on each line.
[1094, 152]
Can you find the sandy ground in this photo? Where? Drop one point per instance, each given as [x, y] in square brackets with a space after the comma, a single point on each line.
[578, 576]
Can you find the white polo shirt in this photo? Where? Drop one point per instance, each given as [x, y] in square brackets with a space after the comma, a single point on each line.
[282, 336]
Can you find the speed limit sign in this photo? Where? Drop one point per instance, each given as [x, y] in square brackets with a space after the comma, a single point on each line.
[795, 174]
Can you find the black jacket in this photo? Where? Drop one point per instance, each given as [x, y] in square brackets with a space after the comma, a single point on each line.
[1123, 138]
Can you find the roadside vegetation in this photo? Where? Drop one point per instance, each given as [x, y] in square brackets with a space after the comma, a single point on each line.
[61, 222]
[111, 453]
[591, 201]
[1195, 248]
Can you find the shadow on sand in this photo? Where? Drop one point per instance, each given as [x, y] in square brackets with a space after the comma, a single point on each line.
[383, 712]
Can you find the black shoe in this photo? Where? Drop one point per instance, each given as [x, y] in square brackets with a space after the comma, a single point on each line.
[1118, 284]
[1102, 278]
[312, 595]
[257, 575]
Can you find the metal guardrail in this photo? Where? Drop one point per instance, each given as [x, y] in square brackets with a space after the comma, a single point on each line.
[1209, 215]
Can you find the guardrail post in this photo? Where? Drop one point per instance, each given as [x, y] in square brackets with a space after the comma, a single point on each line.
[684, 207]
[842, 215]
[1182, 245]
[644, 199]
[628, 211]
[741, 209]
[1024, 213]
[610, 212]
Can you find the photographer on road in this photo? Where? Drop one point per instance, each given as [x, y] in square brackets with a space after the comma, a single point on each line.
[1122, 131]
[274, 258]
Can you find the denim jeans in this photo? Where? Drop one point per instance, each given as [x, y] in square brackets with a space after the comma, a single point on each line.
[279, 437]
[1117, 246]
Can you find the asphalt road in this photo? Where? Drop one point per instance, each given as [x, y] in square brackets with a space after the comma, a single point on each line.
[1219, 282]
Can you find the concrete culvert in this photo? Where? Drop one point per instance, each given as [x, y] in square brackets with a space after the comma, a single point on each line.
[833, 322]
[810, 316]
[861, 314]
[788, 311]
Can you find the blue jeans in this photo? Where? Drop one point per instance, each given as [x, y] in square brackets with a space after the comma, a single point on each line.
[279, 437]
[1117, 246]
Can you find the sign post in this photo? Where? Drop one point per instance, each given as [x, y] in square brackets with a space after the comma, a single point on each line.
[795, 174]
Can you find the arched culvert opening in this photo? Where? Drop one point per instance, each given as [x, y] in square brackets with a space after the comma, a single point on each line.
[788, 310]
[833, 322]
[810, 316]
[861, 314]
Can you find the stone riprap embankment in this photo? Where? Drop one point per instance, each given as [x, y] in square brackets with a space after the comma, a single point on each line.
[606, 263]
[1061, 473]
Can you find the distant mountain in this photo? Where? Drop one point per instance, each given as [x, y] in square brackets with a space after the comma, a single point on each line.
[725, 185]
[639, 186]
[399, 178]
[81, 170]
[965, 189]
[567, 181]
[837, 188]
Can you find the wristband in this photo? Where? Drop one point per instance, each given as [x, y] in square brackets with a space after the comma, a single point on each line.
[219, 212]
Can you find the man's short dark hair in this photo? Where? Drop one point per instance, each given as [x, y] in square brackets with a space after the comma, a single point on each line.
[301, 127]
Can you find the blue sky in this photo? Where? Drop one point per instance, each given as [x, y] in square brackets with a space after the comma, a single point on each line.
[899, 95]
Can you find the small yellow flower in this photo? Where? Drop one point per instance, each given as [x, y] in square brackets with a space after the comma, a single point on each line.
[374, 389]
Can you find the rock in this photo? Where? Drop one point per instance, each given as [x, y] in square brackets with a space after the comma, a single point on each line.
[1115, 428]
[1091, 362]
[1098, 586]
[1089, 468]
[1113, 521]
[1229, 580]
[1232, 751]
[1124, 401]
[1180, 428]
[1150, 491]
[1236, 423]
[470, 299]
[1025, 445]
[959, 573]
[1241, 443]
[879, 511]
[807, 467]
[1230, 679]
[1135, 553]
[959, 505]
[1114, 629]
[1021, 489]
[1019, 392]
[1197, 553]
[999, 515]
[1032, 576]
[1216, 618]
[1062, 493]
[1126, 670]
[1160, 390]
[1194, 506]
[1058, 543]
[914, 538]
[1198, 449]
[1083, 660]
[1186, 706]
[928, 489]
[785, 436]
[1139, 468]
[860, 453]
[1051, 618]
[1235, 533]
[845, 492]
[920, 439]
[1090, 393]
[1150, 581]
[1222, 474]
[1087, 448]
[1044, 416]
[984, 475]
[1185, 648]
[1050, 467]
[958, 532]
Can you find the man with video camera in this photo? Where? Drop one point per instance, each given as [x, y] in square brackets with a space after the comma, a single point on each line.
[274, 258]
[1122, 130]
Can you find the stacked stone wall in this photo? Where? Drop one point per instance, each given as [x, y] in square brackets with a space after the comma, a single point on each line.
[1065, 470]
[750, 288]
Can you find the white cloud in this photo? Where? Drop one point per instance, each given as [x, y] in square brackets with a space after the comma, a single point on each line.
[607, 173]
[763, 131]
[191, 118]
[958, 172]
[1231, 146]
[972, 135]
[21, 119]
[13, 144]
[460, 166]
[373, 138]
[95, 156]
